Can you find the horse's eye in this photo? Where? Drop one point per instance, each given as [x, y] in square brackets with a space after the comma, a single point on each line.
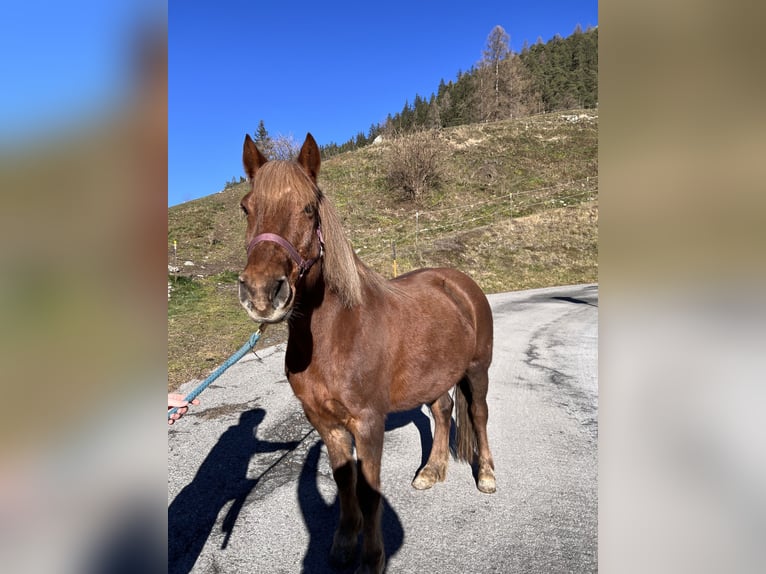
[244, 209]
[309, 209]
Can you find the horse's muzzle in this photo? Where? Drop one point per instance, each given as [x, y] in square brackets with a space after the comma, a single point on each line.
[266, 300]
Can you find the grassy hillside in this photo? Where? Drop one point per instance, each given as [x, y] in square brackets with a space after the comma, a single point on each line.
[517, 209]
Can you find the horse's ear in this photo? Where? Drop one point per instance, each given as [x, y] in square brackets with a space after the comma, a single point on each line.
[309, 157]
[252, 158]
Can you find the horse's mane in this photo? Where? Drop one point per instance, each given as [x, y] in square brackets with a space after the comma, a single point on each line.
[344, 272]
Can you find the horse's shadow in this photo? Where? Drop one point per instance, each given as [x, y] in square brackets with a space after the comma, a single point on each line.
[422, 423]
[321, 519]
[221, 477]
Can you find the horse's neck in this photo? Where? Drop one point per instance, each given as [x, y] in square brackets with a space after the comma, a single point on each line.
[309, 324]
[313, 302]
[317, 302]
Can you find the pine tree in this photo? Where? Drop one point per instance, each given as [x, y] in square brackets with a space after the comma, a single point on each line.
[263, 140]
[420, 109]
[261, 134]
[564, 71]
[373, 132]
[444, 102]
[461, 95]
[433, 119]
[406, 117]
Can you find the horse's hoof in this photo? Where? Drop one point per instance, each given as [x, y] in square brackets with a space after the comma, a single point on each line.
[422, 483]
[426, 478]
[487, 484]
[343, 551]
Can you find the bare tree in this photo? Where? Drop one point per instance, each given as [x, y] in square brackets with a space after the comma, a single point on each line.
[284, 147]
[504, 87]
[414, 162]
[497, 50]
[522, 98]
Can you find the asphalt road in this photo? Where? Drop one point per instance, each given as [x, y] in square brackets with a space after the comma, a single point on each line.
[250, 488]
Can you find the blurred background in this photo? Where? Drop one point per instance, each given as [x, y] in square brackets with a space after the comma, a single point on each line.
[83, 175]
[682, 326]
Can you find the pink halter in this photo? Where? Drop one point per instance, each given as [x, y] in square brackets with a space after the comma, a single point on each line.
[303, 264]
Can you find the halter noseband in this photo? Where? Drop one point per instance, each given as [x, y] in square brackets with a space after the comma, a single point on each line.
[303, 264]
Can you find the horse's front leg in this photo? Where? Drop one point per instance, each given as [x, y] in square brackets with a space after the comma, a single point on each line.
[344, 542]
[369, 450]
[339, 448]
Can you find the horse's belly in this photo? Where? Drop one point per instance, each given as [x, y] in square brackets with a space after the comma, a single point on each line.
[430, 361]
[424, 386]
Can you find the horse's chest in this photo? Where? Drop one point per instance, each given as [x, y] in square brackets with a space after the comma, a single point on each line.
[321, 402]
[303, 390]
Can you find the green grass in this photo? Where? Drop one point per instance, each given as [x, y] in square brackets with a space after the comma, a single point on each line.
[185, 293]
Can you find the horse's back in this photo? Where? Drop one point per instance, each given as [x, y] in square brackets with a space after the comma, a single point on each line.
[458, 286]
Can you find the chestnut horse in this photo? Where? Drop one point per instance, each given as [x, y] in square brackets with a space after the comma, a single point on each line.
[360, 347]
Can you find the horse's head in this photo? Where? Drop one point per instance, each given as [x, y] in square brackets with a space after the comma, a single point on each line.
[284, 238]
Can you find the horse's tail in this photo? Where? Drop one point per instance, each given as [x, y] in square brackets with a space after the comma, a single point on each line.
[465, 436]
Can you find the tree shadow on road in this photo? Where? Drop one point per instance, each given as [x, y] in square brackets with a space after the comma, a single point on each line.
[575, 300]
[222, 477]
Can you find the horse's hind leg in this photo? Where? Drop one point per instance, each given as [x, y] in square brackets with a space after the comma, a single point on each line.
[435, 469]
[478, 379]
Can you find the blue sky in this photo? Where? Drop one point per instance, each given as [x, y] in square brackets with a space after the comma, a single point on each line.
[332, 69]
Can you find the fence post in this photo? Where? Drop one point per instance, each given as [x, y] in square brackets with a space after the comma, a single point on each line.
[417, 227]
[393, 249]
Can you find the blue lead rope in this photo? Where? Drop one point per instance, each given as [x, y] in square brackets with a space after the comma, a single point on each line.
[219, 371]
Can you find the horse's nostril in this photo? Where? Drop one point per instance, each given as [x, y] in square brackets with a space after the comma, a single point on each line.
[277, 288]
[281, 293]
